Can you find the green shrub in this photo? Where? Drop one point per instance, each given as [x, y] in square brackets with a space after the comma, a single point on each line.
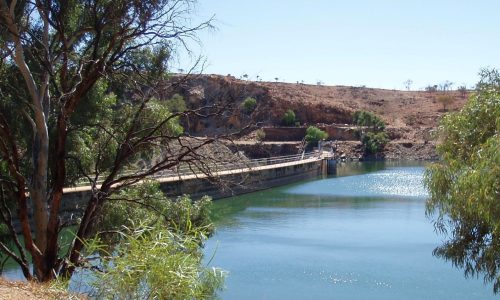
[176, 104]
[150, 247]
[289, 118]
[374, 142]
[368, 119]
[314, 134]
[373, 137]
[249, 105]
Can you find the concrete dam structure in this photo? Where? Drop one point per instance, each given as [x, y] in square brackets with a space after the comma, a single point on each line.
[253, 176]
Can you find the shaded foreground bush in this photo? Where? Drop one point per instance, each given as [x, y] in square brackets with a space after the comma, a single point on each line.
[152, 262]
[150, 247]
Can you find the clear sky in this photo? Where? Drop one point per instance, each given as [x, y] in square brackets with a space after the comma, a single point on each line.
[377, 43]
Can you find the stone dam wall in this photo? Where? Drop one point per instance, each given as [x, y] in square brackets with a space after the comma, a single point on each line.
[247, 181]
[227, 184]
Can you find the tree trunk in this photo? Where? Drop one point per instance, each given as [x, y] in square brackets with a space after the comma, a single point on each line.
[39, 190]
[59, 175]
[38, 196]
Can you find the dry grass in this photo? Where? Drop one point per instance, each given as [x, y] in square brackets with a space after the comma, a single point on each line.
[22, 290]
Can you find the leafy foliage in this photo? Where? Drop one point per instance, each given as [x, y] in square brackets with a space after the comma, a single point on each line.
[368, 119]
[155, 263]
[374, 142]
[99, 127]
[371, 131]
[147, 204]
[249, 105]
[176, 104]
[314, 134]
[289, 118]
[88, 137]
[464, 187]
[149, 247]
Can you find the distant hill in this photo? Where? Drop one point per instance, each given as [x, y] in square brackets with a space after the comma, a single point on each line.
[410, 115]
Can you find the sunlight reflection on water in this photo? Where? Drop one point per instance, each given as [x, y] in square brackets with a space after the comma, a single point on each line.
[393, 182]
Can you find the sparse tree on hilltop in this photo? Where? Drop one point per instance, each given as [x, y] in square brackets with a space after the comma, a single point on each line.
[431, 88]
[463, 91]
[445, 86]
[408, 84]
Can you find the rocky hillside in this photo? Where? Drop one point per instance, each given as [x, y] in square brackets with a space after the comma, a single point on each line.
[410, 115]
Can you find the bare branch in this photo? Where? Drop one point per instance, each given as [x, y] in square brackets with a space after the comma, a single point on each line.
[20, 262]
[7, 220]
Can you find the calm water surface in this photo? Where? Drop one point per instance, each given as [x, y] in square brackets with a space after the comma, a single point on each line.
[362, 234]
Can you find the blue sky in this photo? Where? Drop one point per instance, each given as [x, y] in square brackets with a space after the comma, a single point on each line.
[378, 43]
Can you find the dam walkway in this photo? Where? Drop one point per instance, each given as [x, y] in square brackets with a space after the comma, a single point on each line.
[224, 169]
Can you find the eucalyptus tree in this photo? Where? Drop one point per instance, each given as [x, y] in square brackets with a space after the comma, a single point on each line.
[465, 184]
[59, 121]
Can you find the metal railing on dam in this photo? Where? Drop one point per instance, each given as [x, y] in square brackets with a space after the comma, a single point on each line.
[216, 169]
[265, 172]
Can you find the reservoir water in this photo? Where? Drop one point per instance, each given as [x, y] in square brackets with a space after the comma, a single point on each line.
[361, 234]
